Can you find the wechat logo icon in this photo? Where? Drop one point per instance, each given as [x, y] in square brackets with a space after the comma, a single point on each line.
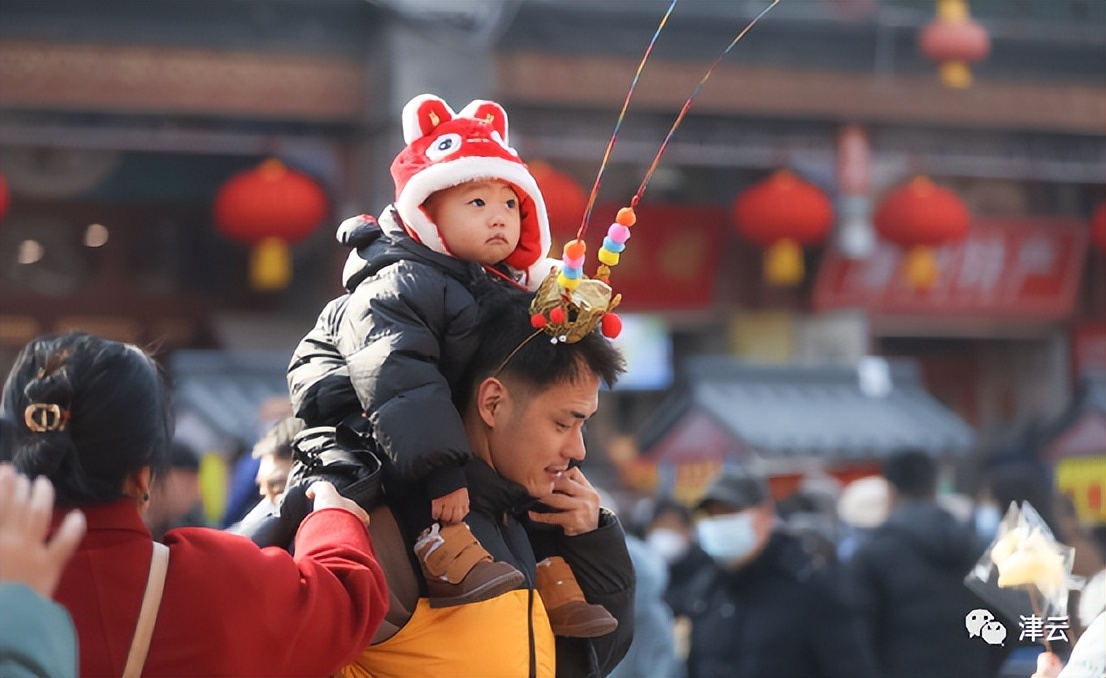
[982, 623]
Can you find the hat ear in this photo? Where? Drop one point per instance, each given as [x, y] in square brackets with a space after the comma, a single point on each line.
[422, 115]
[489, 112]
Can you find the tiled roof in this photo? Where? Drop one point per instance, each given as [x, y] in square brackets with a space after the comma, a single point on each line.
[226, 388]
[825, 411]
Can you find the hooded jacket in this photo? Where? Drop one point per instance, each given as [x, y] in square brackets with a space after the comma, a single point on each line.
[908, 579]
[393, 347]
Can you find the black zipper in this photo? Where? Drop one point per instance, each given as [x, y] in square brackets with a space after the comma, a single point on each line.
[530, 628]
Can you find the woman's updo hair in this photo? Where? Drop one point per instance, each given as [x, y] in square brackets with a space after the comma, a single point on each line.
[115, 415]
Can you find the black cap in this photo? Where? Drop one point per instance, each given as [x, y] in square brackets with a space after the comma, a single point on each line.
[738, 488]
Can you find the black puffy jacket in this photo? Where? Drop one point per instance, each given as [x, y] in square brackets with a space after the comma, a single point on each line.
[780, 616]
[907, 580]
[393, 347]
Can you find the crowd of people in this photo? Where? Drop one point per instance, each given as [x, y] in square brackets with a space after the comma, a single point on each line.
[419, 505]
[865, 579]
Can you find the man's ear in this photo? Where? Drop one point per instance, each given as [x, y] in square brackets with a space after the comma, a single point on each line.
[490, 396]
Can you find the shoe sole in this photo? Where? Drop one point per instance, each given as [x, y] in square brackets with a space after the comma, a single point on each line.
[486, 591]
[594, 629]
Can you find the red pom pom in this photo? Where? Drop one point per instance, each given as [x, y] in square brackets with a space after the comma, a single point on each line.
[537, 321]
[557, 316]
[612, 325]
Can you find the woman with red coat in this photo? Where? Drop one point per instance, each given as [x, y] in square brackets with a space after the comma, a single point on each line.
[93, 416]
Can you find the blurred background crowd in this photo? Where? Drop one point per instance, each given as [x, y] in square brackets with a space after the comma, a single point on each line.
[880, 228]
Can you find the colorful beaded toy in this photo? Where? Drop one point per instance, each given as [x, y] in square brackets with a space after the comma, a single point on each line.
[569, 305]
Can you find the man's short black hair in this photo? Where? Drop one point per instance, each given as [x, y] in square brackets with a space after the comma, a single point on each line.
[913, 473]
[509, 347]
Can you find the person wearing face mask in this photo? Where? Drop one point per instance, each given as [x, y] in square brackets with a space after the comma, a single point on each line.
[764, 608]
[671, 534]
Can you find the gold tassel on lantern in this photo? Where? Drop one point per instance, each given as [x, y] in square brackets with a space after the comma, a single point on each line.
[783, 263]
[270, 265]
[954, 73]
[920, 267]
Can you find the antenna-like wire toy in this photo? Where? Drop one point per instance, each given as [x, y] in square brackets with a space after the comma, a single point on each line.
[618, 123]
[568, 305]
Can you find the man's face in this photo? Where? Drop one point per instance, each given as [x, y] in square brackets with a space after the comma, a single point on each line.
[478, 220]
[272, 475]
[535, 435]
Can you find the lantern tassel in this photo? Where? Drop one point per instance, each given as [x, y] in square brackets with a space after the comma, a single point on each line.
[920, 267]
[270, 265]
[783, 263]
[955, 73]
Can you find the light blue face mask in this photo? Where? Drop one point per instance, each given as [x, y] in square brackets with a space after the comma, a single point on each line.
[728, 539]
[987, 519]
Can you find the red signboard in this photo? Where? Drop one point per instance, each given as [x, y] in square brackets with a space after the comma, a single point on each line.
[1021, 267]
[670, 259]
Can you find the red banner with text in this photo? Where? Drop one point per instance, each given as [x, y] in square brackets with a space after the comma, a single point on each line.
[1018, 267]
[671, 258]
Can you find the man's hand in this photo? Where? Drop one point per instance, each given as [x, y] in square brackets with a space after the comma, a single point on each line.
[575, 504]
[325, 496]
[451, 508]
[25, 511]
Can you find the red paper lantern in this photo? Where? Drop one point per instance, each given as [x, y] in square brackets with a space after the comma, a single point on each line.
[783, 213]
[1098, 228]
[565, 201]
[920, 215]
[269, 207]
[954, 41]
[5, 196]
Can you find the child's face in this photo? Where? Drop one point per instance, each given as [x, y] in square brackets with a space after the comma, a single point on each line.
[478, 220]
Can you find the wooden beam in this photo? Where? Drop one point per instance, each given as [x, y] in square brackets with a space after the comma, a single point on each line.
[143, 79]
[569, 81]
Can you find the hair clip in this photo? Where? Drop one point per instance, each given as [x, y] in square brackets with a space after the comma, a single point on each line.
[43, 417]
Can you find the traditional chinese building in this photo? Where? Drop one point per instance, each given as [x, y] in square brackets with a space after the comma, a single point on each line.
[120, 122]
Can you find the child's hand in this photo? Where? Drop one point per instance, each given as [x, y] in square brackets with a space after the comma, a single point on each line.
[451, 508]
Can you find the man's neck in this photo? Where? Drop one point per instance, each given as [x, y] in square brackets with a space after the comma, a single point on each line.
[477, 433]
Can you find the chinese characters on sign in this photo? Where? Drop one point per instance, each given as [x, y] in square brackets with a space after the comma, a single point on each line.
[1013, 267]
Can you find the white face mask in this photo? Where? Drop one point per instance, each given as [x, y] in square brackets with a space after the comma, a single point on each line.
[729, 538]
[668, 543]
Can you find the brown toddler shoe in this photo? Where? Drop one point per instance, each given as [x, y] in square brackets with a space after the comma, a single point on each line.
[569, 613]
[458, 570]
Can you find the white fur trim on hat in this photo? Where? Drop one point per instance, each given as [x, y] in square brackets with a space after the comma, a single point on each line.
[445, 149]
[439, 177]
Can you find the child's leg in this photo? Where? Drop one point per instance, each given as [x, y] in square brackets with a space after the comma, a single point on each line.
[458, 569]
[570, 614]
